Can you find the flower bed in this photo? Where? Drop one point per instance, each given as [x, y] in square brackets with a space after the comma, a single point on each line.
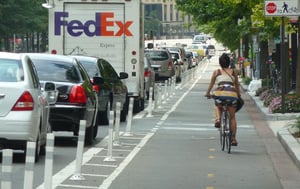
[274, 101]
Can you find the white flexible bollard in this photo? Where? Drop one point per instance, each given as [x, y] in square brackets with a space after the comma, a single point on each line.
[159, 96]
[150, 103]
[110, 138]
[129, 118]
[117, 125]
[165, 91]
[29, 165]
[155, 96]
[49, 161]
[173, 83]
[6, 180]
[80, 144]
[169, 87]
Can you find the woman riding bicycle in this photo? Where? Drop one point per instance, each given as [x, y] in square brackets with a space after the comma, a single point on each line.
[225, 76]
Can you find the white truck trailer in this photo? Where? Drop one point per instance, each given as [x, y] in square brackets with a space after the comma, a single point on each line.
[110, 29]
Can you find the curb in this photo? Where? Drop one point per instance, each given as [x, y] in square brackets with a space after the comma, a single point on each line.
[289, 143]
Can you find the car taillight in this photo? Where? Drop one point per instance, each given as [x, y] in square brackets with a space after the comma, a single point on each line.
[77, 95]
[95, 86]
[147, 73]
[24, 103]
[170, 65]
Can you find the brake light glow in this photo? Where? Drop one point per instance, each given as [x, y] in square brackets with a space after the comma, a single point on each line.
[147, 73]
[24, 103]
[170, 65]
[77, 95]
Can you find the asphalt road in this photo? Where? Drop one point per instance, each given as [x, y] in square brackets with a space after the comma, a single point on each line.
[176, 146]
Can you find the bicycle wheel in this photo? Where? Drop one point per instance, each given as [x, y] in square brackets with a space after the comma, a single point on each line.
[222, 130]
[228, 132]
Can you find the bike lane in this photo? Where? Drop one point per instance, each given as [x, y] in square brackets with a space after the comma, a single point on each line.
[184, 151]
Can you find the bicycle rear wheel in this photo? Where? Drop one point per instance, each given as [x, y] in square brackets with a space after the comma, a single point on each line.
[222, 131]
[228, 133]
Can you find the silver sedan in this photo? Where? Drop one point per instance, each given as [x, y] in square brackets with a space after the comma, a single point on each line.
[24, 112]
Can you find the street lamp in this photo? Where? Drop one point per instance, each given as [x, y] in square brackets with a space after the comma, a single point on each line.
[49, 4]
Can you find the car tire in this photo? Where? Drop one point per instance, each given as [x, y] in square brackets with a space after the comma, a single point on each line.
[89, 135]
[95, 132]
[104, 115]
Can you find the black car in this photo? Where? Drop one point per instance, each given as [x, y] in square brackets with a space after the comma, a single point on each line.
[110, 92]
[76, 100]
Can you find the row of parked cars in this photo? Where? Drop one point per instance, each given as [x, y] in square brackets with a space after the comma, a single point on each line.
[41, 93]
[170, 61]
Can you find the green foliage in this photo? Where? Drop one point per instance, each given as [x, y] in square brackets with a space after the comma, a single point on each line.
[247, 80]
[296, 124]
[221, 18]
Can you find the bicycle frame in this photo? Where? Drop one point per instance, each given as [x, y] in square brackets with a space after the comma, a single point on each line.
[225, 129]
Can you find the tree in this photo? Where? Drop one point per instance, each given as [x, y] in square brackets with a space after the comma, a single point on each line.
[21, 17]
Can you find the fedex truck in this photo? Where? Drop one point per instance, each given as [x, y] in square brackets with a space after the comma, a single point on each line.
[110, 29]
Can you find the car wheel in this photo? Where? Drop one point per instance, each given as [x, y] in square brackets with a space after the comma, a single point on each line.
[124, 111]
[89, 135]
[37, 147]
[96, 127]
[104, 116]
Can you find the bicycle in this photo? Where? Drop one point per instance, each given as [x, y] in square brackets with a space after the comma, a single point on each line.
[225, 127]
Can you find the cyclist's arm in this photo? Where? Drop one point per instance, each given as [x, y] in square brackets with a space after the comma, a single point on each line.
[211, 83]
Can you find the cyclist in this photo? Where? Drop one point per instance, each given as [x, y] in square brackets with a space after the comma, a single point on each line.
[228, 76]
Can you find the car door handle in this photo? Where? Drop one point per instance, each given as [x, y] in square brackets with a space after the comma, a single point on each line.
[2, 96]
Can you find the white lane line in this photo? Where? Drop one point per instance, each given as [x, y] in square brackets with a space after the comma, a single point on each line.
[107, 182]
[78, 186]
[188, 129]
[69, 169]
[94, 175]
[101, 165]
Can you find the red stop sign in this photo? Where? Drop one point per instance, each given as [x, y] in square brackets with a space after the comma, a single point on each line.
[271, 7]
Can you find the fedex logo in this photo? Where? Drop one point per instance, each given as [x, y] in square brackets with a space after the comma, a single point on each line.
[98, 27]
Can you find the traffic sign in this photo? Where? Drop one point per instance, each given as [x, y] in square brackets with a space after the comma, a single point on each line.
[282, 8]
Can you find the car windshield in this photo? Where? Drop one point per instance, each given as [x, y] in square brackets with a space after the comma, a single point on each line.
[11, 70]
[91, 68]
[157, 55]
[49, 70]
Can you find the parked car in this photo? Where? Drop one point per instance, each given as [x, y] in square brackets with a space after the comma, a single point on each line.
[111, 91]
[149, 77]
[24, 112]
[181, 51]
[196, 59]
[76, 100]
[189, 58]
[179, 64]
[161, 62]
[200, 48]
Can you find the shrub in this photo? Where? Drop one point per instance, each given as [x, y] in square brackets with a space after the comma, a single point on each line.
[292, 104]
[260, 90]
[247, 80]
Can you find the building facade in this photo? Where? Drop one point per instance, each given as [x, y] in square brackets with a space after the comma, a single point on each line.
[163, 21]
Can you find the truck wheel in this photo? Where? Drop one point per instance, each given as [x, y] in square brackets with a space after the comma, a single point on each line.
[136, 106]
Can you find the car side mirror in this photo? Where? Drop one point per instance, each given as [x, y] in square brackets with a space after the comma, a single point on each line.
[123, 75]
[98, 80]
[51, 92]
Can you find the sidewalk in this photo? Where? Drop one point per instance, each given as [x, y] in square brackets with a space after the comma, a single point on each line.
[281, 126]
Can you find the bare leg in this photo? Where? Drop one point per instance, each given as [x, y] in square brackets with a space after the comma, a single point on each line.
[233, 122]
